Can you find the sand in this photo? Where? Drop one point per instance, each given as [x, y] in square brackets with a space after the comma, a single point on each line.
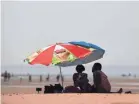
[70, 99]
[25, 87]
[14, 92]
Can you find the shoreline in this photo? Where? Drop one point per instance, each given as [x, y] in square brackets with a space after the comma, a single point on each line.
[14, 85]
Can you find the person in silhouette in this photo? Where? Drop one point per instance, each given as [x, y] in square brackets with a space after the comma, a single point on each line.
[57, 77]
[101, 82]
[80, 79]
[48, 77]
[5, 75]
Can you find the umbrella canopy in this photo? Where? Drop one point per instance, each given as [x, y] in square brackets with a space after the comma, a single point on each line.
[66, 54]
[87, 45]
[58, 53]
[96, 53]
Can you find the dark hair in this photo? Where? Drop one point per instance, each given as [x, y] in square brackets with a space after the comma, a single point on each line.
[96, 66]
[80, 68]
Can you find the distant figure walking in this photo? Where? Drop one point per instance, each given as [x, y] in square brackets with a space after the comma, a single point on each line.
[57, 77]
[48, 77]
[30, 78]
[5, 75]
[40, 78]
[129, 74]
[8, 76]
[20, 80]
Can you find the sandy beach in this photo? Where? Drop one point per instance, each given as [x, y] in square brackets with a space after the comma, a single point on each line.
[44, 42]
[16, 92]
[26, 87]
[70, 99]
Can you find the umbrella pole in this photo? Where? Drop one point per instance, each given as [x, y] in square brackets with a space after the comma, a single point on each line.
[61, 76]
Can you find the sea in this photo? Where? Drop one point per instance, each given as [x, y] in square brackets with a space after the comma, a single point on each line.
[126, 77]
[111, 71]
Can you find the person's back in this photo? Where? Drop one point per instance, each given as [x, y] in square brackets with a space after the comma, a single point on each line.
[101, 81]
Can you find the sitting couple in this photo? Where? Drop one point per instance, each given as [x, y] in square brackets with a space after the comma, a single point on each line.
[81, 82]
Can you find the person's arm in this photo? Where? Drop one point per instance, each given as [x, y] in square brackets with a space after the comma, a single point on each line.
[86, 77]
[97, 78]
[74, 77]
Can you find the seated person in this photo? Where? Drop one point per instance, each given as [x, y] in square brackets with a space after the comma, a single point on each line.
[80, 79]
[101, 82]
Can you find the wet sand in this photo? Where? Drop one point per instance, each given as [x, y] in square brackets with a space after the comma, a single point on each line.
[26, 87]
[16, 92]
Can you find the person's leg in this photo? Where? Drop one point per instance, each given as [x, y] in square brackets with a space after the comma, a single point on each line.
[71, 89]
[102, 90]
[128, 92]
[89, 88]
[119, 91]
[94, 90]
[84, 88]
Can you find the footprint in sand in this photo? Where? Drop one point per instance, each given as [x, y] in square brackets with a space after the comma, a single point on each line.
[10, 94]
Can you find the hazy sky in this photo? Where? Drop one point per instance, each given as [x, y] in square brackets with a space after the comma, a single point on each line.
[29, 26]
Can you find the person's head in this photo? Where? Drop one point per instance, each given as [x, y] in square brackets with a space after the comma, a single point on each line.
[96, 66]
[80, 68]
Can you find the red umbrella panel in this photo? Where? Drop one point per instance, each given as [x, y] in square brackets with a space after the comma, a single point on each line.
[58, 53]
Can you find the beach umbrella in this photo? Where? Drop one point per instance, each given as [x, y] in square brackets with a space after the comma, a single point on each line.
[66, 54]
[96, 53]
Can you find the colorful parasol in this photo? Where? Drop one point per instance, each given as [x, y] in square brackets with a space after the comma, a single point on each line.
[66, 54]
